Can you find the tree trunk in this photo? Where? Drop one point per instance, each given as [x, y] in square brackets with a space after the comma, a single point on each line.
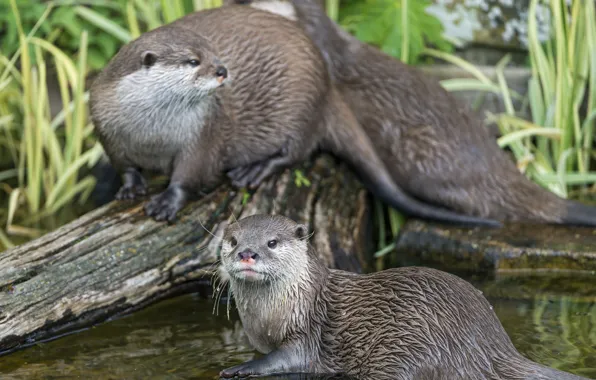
[115, 260]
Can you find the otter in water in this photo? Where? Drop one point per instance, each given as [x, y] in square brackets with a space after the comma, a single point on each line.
[432, 148]
[401, 323]
[216, 90]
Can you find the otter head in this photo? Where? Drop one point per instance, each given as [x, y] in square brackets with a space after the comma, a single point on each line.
[265, 249]
[170, 63]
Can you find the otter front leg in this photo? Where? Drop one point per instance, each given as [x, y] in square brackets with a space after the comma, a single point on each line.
[165, 205]
[134, 185]
[191, 171]
[280, 361]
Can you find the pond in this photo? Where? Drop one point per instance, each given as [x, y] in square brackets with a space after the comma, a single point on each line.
[182, 339]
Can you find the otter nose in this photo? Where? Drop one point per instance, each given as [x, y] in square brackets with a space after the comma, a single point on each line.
[221, 72]
[247, 255]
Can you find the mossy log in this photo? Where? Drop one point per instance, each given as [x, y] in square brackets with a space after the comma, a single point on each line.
[514, 248]
[114, 260]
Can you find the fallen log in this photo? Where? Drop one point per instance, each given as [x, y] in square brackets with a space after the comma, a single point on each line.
[114, 260]
[514, 248]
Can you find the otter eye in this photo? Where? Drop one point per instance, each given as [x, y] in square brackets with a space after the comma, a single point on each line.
[233, 241]
[272, 244]
[194, 62]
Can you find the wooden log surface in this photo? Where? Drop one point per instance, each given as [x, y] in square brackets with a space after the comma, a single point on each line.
[514, 248]
[115, 260]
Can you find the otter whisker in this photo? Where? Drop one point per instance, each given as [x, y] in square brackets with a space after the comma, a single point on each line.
[210, 269]
[209, 232]
[228, 302]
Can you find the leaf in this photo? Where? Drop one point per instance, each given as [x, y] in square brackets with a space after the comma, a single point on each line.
[96, 58]
[379, 22]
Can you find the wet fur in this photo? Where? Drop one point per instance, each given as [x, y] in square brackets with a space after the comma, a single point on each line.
[278, 103]
[433, 147]
[406, 323]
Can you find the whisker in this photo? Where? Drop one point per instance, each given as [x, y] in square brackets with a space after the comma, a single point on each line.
[205, 228]
[228, 301]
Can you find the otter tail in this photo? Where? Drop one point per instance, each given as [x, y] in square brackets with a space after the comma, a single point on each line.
[535, 371]
[346, 139]
[579, 214]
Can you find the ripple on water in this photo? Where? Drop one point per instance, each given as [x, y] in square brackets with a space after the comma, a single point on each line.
[182, 339]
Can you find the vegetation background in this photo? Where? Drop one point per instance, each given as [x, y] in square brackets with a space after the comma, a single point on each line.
[49, 49]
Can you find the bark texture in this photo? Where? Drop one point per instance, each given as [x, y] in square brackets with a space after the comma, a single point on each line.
[515, 248]
[115, 260]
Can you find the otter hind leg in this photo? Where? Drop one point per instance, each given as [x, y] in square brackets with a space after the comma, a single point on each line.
[252, 175]
[242, 176]
[134, 185]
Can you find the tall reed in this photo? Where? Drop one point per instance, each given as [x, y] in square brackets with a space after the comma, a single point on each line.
[555, 147]
[47, 153]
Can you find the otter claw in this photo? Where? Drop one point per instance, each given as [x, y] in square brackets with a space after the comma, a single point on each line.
[242, 370]
[128, 192]
[243, 176]
[134, 185]
[246, 176]
[166, 205]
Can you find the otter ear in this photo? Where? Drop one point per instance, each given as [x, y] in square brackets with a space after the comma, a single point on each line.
[301, 231]
[148, 58]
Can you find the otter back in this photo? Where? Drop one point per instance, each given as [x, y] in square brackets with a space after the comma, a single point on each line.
[160, 104]
[433, 147]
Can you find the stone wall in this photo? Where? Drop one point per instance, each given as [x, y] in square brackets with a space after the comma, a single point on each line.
[498, 23]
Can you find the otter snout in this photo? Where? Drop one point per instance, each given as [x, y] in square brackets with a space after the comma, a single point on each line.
[221, 73]
[247, 256]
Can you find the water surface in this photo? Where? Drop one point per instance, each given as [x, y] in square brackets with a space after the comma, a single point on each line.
[182, 339]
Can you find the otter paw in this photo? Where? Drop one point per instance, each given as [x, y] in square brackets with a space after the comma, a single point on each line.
[164, 206]
[242, 370]
[133, 191]
[246, 176]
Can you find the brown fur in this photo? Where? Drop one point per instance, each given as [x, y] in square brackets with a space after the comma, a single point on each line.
[406, 323]
[279, 102]
[434, 148]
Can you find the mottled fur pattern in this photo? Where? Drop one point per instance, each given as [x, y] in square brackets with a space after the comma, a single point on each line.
[406, 323]
[433, 147]
[280, 103]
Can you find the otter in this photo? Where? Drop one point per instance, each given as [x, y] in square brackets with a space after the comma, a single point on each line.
[404, 323]
[433, 148]
[216, 90]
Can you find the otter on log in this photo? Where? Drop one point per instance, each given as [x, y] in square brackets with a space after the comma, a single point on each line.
[406, 323]
[432, 147]
[228, 88]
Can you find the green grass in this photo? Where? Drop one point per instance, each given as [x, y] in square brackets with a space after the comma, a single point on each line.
[46, 152]
[554, 148]
[44, 158]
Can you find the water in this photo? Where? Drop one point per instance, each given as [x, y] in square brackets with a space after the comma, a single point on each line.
[181, 338]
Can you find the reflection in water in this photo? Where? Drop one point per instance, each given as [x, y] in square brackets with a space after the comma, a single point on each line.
[182, 339]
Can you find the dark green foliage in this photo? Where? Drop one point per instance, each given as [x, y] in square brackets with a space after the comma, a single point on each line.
[31, 11]
[374, 21]
[63, 27]
[378, 22]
